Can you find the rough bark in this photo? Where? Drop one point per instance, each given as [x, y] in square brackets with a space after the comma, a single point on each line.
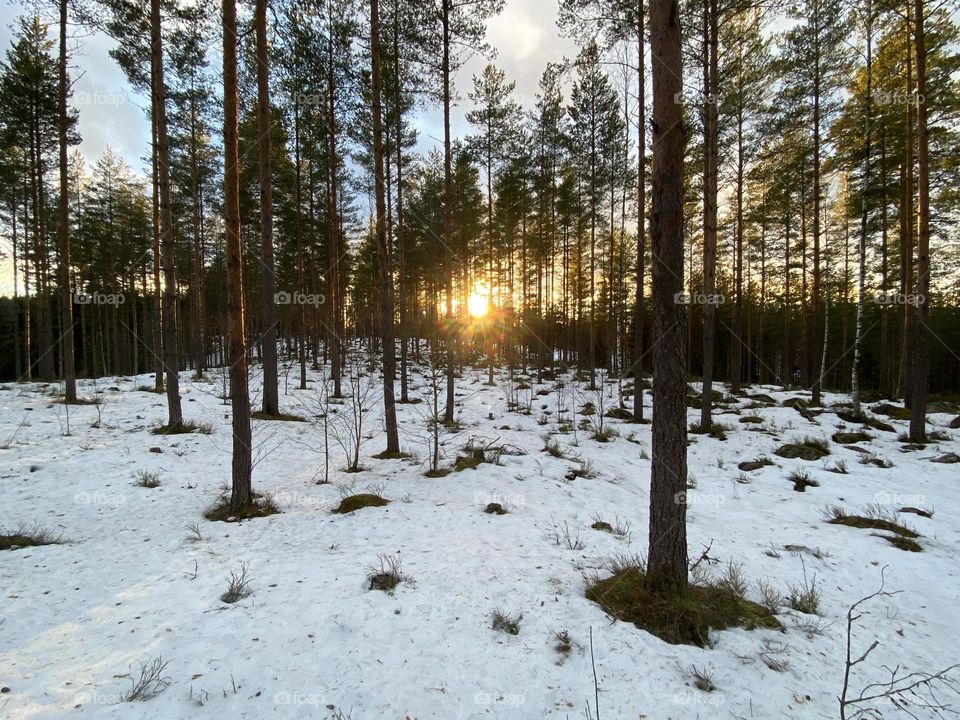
[667, 558]
[271, 402]
[242, 494]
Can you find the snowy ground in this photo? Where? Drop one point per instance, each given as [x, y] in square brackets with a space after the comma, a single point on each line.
[312, 641]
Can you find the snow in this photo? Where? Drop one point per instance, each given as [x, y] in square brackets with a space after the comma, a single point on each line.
[312, 641]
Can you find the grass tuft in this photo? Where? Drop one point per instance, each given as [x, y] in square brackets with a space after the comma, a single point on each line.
[677, 618]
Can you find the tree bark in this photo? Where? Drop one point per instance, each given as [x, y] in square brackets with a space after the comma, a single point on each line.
[242, 494]
[920, 372]
[383, 249]
[667, 558]
[271, 402]
[66, 298]
[170, 361]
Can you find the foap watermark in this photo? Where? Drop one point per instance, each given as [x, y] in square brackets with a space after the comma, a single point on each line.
[97, 698]
[513, 501]
[690, 697]
[498, 698]
[285, 697]
[899, 298]
[98, 498]
[695, 97]
[895, 97]
[895, 498]
[299, 298]
[698, 298]
[303, 99]
[685, 497]
[98, 298]
[98, 98]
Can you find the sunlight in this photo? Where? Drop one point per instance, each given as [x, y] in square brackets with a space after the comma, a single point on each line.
[477, 305]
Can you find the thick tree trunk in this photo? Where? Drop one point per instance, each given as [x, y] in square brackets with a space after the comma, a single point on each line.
[383, 249]
[271, 402]
[333, 245]
[710, 81]
[448, 214]
[242, 494]
[667, 558]
[864, 215]
[920, 372]
[66, 298]
[170, 360]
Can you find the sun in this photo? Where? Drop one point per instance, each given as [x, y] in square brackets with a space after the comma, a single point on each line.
[477, 305]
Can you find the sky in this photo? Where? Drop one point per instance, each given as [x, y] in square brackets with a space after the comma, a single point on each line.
[524, 36]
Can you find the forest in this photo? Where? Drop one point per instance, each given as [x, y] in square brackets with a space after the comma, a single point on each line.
[348, 302]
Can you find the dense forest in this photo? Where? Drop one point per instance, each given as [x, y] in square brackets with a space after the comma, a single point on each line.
[715, 208]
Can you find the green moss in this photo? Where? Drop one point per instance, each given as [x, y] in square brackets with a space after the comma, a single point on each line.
[859, 521]
[262, 506]
[903, 543]
[183, 428]
[849, 438]
[356, 502]
[748, 465]
[892, 411]
[676, 618]
[284, 417]
[467, 462]
[390, 455]
[808, 449]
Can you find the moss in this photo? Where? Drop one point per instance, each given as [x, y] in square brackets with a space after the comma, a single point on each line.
[602, 525]
[384, 581]
[183, 428]
[748, 465]
[438, 473]
[849, 438]
[467, 462]
[22, 538]
[802, 450]
[752, 419]
[262, 506]
[356, 502]
[390, 455]
[685, 618]
[495, 509]
[864, 419]
[859, 521]
[903, 543]
[284, 417]
[892, 411]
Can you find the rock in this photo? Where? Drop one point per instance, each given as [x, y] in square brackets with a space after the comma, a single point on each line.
[955, 423]
[156, 449]
[749, 465]
[494, 509]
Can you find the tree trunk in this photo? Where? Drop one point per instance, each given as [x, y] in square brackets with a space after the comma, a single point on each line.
[864, 213]
[271, 403]
[383, 249]
[242, 494]
[667, 558]
[66, 298]
[174, 412]
[710, 79]
[448, 213]
[920, 372]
